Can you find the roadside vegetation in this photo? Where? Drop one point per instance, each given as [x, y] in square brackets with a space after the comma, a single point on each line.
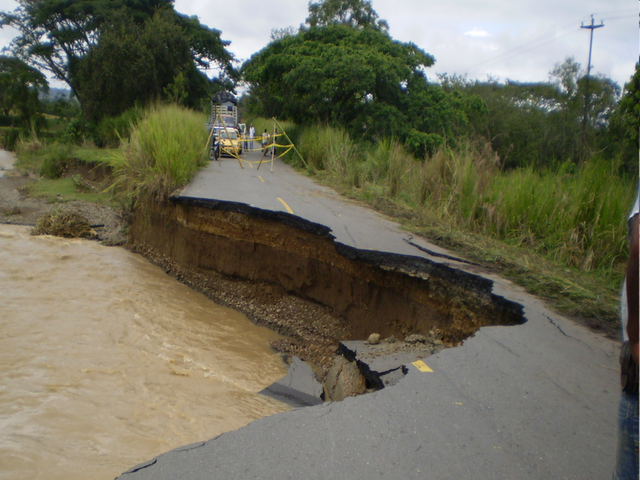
[532, 180]
[559, 232]
[166, 148]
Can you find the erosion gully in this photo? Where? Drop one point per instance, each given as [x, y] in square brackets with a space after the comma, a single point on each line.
[291, 275]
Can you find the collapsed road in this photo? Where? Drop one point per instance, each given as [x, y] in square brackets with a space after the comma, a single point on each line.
[525, 393]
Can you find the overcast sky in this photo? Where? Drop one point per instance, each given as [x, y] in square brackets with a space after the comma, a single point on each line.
[507, 39]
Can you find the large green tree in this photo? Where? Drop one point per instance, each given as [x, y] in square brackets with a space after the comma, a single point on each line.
[354, 13]
[626, 120]
[135, 64]
[355, 77]
[58, 35]
[19, 89]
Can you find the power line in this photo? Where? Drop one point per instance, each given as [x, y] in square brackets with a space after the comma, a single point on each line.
[516, 52]
[542, 40]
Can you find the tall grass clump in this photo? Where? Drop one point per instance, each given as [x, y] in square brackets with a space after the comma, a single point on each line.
[451, 183]
[331, 150]
[578, 218]
[387, 164]
[166, 148]
[574, 217]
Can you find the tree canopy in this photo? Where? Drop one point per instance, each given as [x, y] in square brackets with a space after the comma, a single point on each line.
[359, 78]
[59, 36]
[626, 120]
[353, 13]
[138, 63]
[19, 89]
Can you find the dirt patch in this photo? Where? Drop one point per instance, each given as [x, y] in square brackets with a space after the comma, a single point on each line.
[17, 208]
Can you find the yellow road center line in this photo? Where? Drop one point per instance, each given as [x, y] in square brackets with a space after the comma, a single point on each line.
[423, 367]
[261, 179]
[285, 205]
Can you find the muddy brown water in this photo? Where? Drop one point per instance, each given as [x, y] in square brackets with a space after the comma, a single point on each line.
[106, 362]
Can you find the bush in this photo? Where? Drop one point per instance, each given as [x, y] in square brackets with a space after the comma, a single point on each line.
[166, 149]
[111, 130]
[10, 139]
[55, 161]
[78, 131]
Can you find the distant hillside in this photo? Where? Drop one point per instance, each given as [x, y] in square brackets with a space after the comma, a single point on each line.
[56, 94]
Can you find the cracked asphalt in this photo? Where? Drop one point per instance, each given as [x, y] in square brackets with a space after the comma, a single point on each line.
[532, 401]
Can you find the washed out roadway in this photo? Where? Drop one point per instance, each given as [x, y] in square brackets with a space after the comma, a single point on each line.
[532, 401]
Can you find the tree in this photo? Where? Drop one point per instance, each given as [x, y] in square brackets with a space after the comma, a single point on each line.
[565, 76]
[333, 74]
[357, 78]
[20, 86]
[626, 120]
[134, 64]
[57, 35]
[353, 13]
[571, 82]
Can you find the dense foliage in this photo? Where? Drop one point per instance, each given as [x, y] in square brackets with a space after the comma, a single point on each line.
[81, 42]
[359, 78]
[544, 124]
[19, 89]
[354, 13]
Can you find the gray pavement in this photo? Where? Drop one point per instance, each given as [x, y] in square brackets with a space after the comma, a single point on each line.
[533, 401]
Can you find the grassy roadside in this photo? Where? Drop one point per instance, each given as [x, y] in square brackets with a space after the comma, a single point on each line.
[164, 151]
[58, 168]
[561, 234]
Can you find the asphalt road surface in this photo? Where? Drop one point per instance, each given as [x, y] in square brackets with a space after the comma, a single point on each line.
[533, 401]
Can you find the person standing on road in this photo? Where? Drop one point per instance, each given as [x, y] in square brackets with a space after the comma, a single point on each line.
[265, 140]
[627, 448]
[243, 135]
[252, 133]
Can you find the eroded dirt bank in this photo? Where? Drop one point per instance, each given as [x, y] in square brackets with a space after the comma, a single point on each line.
[290, 275]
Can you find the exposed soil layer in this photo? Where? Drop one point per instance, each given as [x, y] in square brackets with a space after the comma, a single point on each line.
[289, 274]
[284, 272]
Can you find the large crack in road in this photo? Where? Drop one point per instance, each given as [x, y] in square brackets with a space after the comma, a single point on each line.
[291, 275]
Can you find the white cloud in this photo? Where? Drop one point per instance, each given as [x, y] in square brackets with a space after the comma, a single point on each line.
[477, 33]
[516, 40]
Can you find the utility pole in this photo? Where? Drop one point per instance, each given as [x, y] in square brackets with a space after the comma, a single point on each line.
[591, 27]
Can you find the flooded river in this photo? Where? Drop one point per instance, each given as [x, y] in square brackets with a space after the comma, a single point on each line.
[105, 361]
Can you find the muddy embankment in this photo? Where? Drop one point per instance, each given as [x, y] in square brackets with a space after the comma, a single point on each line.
[290, 275]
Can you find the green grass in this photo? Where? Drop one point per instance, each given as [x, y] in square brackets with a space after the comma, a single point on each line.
[33, 153]
[559, 233]
[94, 156]
[166, 149]
[65, 190]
